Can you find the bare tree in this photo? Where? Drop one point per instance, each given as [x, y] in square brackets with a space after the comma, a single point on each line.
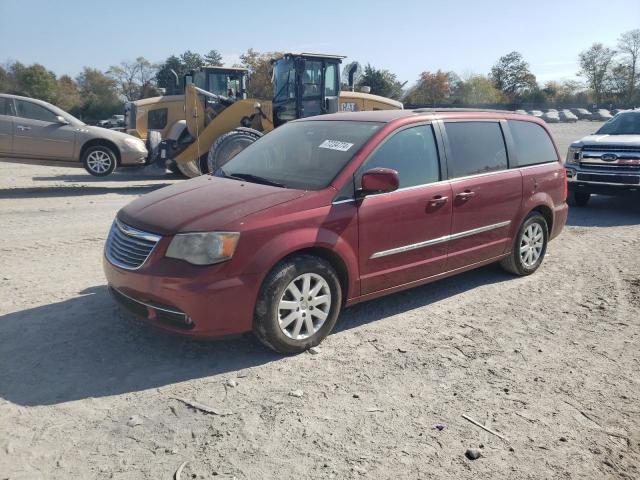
[629, 47]
[594, 66]
[133, 78]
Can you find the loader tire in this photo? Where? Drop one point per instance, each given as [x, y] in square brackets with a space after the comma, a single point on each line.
[229, 145]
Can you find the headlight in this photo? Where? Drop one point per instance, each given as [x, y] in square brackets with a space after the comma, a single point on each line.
[135, 144]
[573, 155]
[203, 248]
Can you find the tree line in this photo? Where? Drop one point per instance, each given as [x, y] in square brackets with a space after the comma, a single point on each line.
[609, 76]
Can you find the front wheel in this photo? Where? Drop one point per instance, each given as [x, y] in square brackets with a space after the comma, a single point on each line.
[298, 304]
[529, 247]
[99, 161]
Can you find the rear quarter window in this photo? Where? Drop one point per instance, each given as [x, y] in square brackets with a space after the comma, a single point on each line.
[475, 147]
[532, 144]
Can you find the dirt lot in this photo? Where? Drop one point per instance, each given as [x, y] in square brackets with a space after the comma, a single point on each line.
[549, 361]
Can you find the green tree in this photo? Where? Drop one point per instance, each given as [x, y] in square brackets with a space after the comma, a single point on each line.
[431, 89]
[4, 80]
[99, 95]
[478, 90]
[68, 97]
[213, 58]
[35, 81]
[191, 61]
[511, 75]
[259, 66]
[594, 66]
[382, 82]
[629, 47]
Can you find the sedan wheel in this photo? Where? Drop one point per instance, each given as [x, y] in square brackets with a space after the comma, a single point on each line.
[99, 161]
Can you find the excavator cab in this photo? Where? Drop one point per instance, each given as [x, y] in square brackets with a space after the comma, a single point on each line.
[304, 85]
[223, 81]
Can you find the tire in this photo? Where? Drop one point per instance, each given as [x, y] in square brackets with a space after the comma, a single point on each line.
[229, 145]
[277, 287]
[578, 199]
[154, 138]
[518, 262]
[99, 161]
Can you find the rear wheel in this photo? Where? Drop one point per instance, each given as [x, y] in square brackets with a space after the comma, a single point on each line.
[298, 304]
[529, 247]
[579, 199]
[229, 145]
[99, 161]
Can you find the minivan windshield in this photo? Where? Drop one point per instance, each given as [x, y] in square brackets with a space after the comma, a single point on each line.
[301, 155]
[626, 123]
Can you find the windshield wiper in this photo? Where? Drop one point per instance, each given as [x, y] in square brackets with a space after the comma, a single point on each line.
[254, 179]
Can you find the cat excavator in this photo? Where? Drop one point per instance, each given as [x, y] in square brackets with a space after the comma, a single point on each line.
[217, 127]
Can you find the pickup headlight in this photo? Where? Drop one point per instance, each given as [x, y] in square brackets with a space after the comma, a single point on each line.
[573, 155]
[203, 248]
[135, 144]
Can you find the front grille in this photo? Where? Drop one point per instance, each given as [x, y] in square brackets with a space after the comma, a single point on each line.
[612, 148]
[613, 167]
[128, 247]
[621, 179]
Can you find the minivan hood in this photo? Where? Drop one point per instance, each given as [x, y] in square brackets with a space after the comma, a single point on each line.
[622, 140]
[202, 204]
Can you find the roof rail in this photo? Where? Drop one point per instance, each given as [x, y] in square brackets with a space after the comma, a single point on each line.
[452, 109]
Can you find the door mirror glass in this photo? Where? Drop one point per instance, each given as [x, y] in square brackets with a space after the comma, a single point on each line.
[61, 120]
[379, 180]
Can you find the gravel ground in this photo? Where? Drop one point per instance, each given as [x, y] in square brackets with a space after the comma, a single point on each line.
[550, 362]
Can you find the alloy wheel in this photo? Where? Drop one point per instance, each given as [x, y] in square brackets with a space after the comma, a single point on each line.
[304, 306]
[531, 244]
[99, 161]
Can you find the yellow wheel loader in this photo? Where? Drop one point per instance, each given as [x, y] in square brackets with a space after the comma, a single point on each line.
[217, 126]
[157, 118]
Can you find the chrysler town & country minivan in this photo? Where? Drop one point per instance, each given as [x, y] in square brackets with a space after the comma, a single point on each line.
[330, 211]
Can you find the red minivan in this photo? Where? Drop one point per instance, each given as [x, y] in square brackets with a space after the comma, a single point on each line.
[329, 211]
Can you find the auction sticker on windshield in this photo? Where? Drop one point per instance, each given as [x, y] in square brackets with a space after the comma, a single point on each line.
[336, 145]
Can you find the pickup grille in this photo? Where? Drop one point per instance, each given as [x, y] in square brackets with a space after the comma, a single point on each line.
[612, 148]
[620, 179]
[127, 247]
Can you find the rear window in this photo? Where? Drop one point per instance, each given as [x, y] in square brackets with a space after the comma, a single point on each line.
[475, 147]
[532, 144]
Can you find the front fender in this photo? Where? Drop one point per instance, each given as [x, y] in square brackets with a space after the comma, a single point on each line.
[290, 242]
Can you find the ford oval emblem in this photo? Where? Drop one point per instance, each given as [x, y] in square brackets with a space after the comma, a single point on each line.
[609, 157]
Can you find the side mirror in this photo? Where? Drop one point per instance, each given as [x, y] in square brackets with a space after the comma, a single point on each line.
[61, 120]
[379, 180]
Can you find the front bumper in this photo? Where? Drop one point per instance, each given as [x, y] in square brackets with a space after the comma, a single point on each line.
[184, 299]
[602, 182]
[133, 157]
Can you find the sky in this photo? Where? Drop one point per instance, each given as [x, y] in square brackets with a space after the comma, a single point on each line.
[406, 37]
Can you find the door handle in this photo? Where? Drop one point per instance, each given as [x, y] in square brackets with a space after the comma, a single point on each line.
[23, 128]
[466, 195]
[438, 200]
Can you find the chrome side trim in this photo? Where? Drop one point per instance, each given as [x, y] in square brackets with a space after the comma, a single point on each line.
[435, 241]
